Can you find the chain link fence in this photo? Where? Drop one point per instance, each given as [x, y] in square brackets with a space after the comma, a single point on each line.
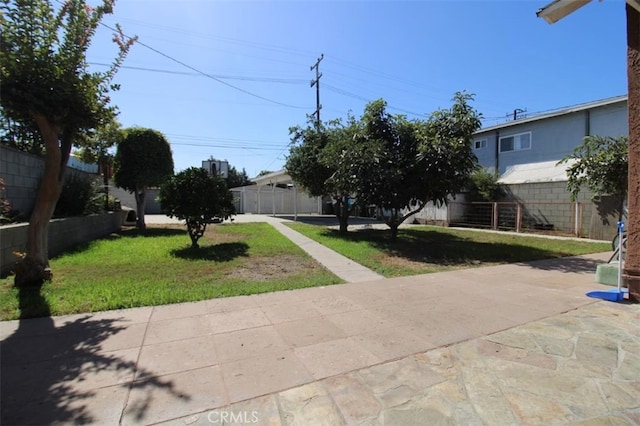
[559, 218]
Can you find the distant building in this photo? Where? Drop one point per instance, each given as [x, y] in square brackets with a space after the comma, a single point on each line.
[216, 167]
[275, 194]
[525, 152]
[548, 137]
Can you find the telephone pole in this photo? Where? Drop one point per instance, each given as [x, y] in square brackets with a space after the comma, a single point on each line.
[518, 113]
[316, 82]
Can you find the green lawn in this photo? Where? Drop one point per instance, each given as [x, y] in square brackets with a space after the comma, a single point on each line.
[158, 267]
[426, 249]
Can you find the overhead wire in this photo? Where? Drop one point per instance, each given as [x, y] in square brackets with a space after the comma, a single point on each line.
[219, 76]
[171, 58]
[257, 45]
[290, 51]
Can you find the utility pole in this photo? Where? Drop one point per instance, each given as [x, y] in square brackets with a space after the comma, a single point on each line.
[517, 113]
[316, 82]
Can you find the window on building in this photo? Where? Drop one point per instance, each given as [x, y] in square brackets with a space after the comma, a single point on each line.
[482, 143]
[515, 142]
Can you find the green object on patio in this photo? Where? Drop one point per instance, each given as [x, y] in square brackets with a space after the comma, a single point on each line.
[607, 274]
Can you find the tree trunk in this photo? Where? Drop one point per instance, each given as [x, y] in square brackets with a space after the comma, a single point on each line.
[141, 201]
[344, 223]
[34, 269]
[393, 223]
[105, 181]
[342, 213]
[394, 230]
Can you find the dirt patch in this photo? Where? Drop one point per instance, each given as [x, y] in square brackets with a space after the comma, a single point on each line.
[270, 268]
[428, 266]
[402, 262]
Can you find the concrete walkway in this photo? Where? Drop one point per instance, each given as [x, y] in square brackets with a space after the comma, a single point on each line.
[343, 267]
[509, 344]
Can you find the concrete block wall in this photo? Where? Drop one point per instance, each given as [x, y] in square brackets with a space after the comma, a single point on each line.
[550, 202]
[63, 234]
[21, 173]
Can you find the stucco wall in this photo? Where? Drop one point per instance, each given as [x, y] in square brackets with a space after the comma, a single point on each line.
[152, 206]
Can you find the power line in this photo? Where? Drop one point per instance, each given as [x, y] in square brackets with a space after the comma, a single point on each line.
[362, 98]
[206, 74]
[209, 138]
[290, 51]
[220, 76]
[277, 157]
[231, 40]
[222, 146]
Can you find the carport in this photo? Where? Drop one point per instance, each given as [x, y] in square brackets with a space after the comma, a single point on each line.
[275, 193]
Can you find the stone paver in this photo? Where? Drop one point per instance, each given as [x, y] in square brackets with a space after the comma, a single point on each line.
[504, 378]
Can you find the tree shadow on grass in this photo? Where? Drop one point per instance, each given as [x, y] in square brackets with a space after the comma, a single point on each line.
[330, 220]
[223, 252]
[425, 246]
[154, 232]
[73, 372]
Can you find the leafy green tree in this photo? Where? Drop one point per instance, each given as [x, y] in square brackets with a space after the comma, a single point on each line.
[197, 197]
[409, 163]
[446, 154]
[97, 149]
[386, 160]
[390, 178]
[320, 160]
[345, 157]
[143, 160]
[236, 179]
[601, 163]
[23, 136]
[45, 84]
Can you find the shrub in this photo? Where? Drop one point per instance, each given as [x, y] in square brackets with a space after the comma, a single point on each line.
[5, 206]
[80, 195]
[484, 186]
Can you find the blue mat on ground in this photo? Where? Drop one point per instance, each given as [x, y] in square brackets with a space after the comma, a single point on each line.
[613, 295]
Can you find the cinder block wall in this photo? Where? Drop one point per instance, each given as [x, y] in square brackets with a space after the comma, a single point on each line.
[21, 173]
[549, 202]
[63, 234]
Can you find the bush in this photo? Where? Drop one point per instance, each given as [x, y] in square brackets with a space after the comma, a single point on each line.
[80, 195]
[196, 197]
[484, 186]
[5, 206]
[7, 214]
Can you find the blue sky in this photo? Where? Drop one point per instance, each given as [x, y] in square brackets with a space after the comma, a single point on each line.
[415, 54]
